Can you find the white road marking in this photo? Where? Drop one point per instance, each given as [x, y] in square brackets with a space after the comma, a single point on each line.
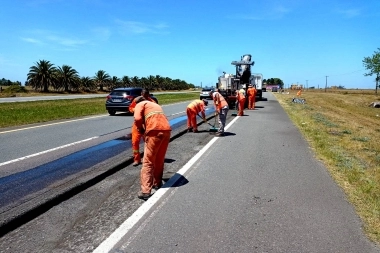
[47, 151]
[120, 232]
[52, 124]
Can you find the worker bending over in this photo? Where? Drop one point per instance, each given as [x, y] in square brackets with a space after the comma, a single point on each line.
[151, 121]
[136, 135]
[251, 92]
[195, 107]
[241, 101]
[221, 110]
[299, 93]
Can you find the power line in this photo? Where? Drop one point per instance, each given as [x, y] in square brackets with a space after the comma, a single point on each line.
[348, 73]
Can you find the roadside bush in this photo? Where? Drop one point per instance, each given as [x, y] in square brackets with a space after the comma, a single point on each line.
[15, 89]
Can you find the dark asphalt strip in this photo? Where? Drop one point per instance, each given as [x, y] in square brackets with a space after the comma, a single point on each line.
[41, 188]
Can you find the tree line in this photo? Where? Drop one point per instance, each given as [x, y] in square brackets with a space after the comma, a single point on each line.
[45, 77]
[274, 81]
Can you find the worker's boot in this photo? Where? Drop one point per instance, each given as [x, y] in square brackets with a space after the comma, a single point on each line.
[136, 164]
[190, 129]
[144, 196]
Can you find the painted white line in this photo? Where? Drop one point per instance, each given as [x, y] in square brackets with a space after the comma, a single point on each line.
[47, 151]
[108, 244]
[51, 124]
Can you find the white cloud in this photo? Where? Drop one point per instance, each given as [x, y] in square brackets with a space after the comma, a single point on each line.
[350, 13]
[33, 41]
[103, 33]
[136, 27]
[268, 13]
[66, 41]
[47, 38]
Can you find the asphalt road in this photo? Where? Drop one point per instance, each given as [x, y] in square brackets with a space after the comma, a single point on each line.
[258, 189]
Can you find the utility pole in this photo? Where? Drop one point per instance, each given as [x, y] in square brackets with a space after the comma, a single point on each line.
[326, 84]
[307, 84]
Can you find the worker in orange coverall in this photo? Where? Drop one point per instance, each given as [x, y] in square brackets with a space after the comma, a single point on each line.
[251, 92]
[195, 107]
[136, 136]
[151, 120]
[221, 110]
[299, 93]
[241, 101]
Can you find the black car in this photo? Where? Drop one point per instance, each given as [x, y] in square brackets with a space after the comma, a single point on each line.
[120, 99]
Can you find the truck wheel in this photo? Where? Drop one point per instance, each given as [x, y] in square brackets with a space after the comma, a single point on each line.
[112, 112]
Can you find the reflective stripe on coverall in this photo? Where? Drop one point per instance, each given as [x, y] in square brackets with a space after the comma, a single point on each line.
[241, 101]
[136, 135]
[157, 137]
[195, 107]
[221, 107]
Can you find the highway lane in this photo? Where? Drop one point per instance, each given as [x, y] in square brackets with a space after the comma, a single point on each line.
[29, 140]
[46, 158]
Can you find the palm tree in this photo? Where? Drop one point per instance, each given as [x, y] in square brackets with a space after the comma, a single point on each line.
[144, 82]
[87, 84]
[135, 81]
[42, 75]
[68, 78]
[101, 78]
[168, 83]
[152, 82]
[159, 82]
[126, 80]
[114, 83]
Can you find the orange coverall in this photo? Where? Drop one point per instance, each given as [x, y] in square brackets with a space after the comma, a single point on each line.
[299, 93]
[195, 107]
[241, 101]
[136, 135]
[251, 98]
[221, 107]
[157, 137]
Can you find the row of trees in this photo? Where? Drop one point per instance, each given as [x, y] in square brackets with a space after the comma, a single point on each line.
[274, 81]
[7, 82]
[44, 76]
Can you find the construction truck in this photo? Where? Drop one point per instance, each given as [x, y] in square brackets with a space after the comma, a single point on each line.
[228, 84]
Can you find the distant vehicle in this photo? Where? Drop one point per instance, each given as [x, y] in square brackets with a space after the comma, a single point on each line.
[274, 89]
[205, 93]
[120, 99]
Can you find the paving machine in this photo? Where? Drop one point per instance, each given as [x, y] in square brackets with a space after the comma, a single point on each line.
[228, 84]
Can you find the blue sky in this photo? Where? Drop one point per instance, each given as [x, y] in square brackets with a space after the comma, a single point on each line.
[193, 40]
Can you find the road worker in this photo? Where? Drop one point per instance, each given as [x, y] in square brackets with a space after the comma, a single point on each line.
[151, 121]
[251, 92]
[221, 110]
[241, 101]
[299, 93]
[195, 107]
[136, 136]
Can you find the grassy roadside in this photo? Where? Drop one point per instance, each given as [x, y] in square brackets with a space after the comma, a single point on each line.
[344, 132]
[22, 113]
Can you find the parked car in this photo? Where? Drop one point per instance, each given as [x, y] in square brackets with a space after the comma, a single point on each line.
[120, 99]
[274, 89]
[205, 93]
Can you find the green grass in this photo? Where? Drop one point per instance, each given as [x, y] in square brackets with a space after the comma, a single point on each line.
[22, 113]
[344, 134]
